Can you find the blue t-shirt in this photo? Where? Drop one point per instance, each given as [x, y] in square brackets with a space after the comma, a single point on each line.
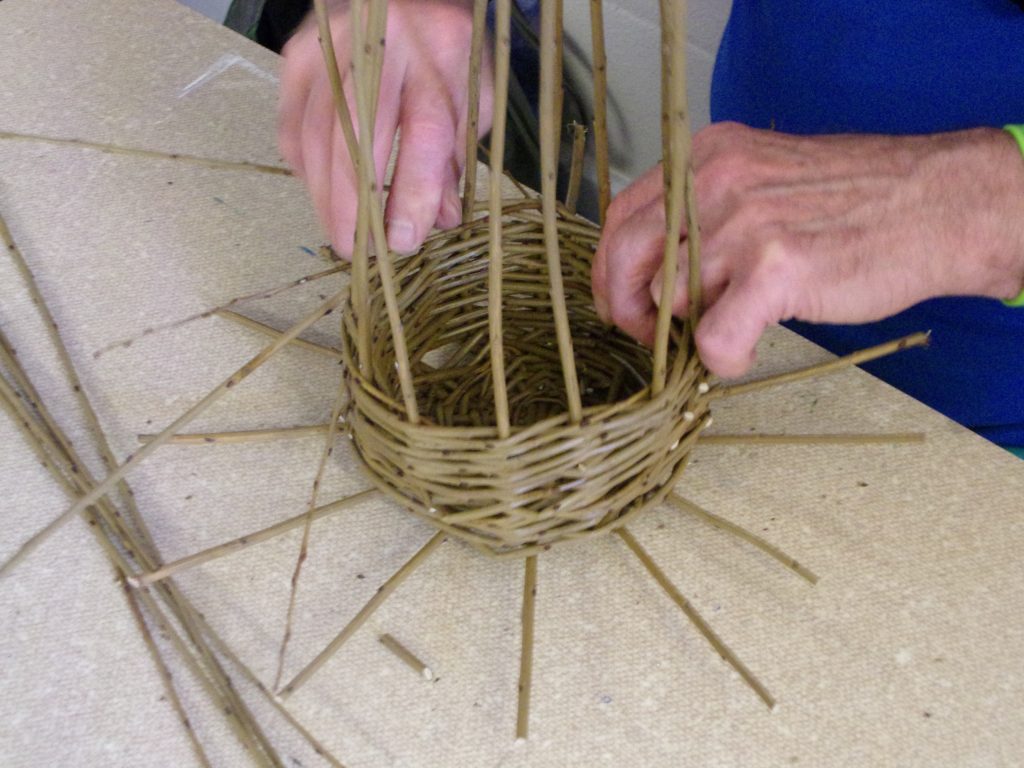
[896, 67]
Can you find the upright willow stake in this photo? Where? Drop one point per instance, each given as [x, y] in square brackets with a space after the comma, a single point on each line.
[579, 145]
[550, 88]
[502, 48]
[370, 208]
[676, 145]
[473, 116]
[359, 285]
[599, 66]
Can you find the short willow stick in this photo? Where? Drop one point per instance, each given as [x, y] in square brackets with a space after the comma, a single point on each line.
[526, 649]
[473, 106]
[103, 488]
[207, 162]
[248, 540]
[240, 436]
[496, 337]
[740, 532]
[694, 616]
[892, 438]
[579, 145]
[266, 330]
[831, 366]
[371, 210]
[408, 657]
[677, 162]
[382, 594]
[325, 453]
[550, 88]
[599, 67]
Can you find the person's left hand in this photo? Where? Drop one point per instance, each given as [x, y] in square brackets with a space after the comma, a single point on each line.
[843, 229]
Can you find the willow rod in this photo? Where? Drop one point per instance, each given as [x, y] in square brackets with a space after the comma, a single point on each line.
[676, 161]
[740, 532]
[240, 436]
[599, 67]
[266, 330]
[382, 594]
[550, 87]
[307, 524]
[370, 207]
[496, 260]
[579, 145]
[104, 487]
[360, 259]
[891, 438]
[223, 308]
[694, 616]
[526, 649]
[830, 366]
[473, 106]
[112, 149]
[257, 537]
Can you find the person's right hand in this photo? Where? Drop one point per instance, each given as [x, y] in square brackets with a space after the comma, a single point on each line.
[423, 95]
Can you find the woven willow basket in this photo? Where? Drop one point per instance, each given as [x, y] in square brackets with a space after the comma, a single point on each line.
[550, 480]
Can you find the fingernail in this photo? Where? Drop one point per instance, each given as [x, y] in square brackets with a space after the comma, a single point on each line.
[656, 286]
[401, 235]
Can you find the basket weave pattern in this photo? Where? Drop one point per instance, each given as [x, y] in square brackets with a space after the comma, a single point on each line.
[550, 480]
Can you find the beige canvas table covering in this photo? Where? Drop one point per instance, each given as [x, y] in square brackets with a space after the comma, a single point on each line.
[908, 651]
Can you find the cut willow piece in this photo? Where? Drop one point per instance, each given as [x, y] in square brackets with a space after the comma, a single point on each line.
[830, 366]
[526, 648]
[383, 593]
[104, 487]
[406, 656]
[248, 540]
[207, 162]
[740, 532]
[694, 616]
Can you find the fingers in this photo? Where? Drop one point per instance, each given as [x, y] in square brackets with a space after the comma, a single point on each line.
[318, 150]
[729, 330]
[424, 186]
[637, 195]
[303, 63]
[633, 254]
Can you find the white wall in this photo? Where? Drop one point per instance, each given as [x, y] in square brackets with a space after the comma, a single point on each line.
[215, 9]
[633, 43]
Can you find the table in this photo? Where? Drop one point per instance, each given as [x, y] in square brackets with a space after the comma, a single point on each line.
[907, 652]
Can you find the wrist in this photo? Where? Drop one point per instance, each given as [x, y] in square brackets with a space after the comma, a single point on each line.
[1016, 132]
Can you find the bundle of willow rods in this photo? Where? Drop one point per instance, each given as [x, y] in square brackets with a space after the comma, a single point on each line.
[485, 394]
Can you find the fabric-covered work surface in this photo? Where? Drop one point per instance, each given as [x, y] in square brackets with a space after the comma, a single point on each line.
[907, 652]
